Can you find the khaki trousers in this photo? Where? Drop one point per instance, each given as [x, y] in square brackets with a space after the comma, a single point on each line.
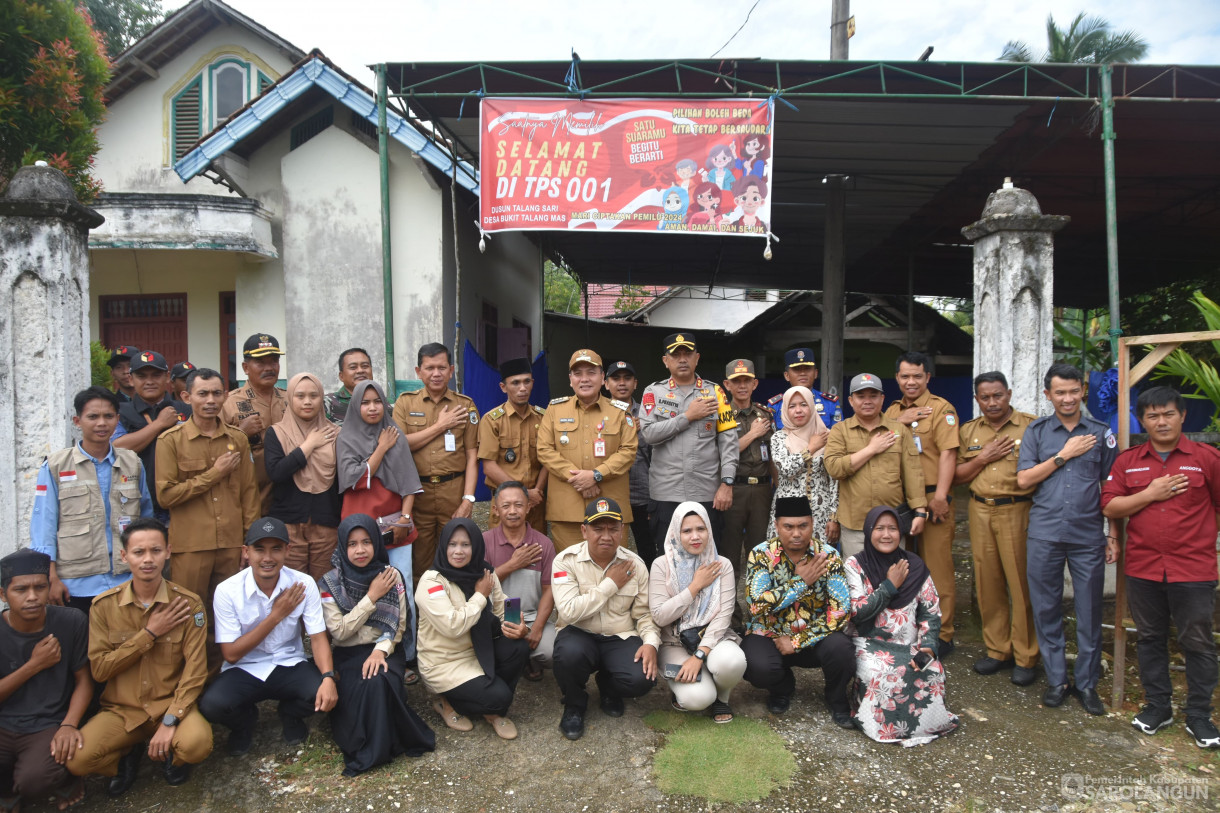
[997, 542]
[434, 507]
[200, 572]
[936, 550]
[311, 548]
[107, 740]
[565, 535]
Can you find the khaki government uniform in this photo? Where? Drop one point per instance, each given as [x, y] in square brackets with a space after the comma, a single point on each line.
[568, 418]
[890, 478]
[441, 473]
[999, 519]
[934, 435]
[241, 404]
[502, 434]
[745, 522]
[146, 678]
[209, 515]
[446, 654]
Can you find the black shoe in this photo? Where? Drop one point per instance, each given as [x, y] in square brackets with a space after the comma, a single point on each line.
[945, 648]
[1055, 695]
[176, 775]
[129, 766]
[1024, 675]
[1204, 732]
[296, 730]
[1152, 719]
[240, 741]
[572, 724]
[990, 665]
[612, 705]
[1091, 700]
[843, 719]
[779, 703]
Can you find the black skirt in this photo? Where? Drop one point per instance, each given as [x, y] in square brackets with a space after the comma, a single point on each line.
[372, 722]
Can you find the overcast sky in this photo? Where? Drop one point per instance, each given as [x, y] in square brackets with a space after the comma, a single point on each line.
[362, 32]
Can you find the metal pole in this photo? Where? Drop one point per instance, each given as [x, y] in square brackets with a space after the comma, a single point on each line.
[835, 253]
[1123, 357]
[840, 10]
[910, 303]
[387, 276]
[1107, 143]
[1084, 340]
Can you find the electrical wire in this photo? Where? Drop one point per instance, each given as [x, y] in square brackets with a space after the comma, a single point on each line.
[738, 31]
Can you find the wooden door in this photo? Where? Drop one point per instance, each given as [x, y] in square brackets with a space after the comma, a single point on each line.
[147, 321]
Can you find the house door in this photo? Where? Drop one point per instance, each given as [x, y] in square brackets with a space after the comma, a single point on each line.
[149, 322]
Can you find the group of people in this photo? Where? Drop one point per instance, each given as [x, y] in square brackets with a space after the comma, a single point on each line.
[346, 518]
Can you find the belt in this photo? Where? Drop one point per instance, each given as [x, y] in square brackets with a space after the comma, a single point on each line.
[755, 481]
[997, 501]
[929, 489]
[437, 479]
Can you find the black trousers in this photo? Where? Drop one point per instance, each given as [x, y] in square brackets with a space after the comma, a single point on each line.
[641, 530]
[231, 699]
[1190, 605]
[663, 512]
[579, 654]
[493, 695]
[834, 654]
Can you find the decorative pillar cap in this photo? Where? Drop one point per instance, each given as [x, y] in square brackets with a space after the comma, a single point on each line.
[1013, 209]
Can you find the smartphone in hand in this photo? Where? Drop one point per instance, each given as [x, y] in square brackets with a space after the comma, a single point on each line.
[921, 659]
[512, 610]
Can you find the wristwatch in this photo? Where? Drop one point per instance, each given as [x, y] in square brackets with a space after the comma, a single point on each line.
[468, 497]
[331, 675]
[1059, 461]
[597, 476]
[169, 720]
[728, 481]
[700, 654]
[921, 514]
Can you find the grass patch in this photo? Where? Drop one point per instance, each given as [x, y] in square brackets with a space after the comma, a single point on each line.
[320, 755]
[739, 762]
[665, 720]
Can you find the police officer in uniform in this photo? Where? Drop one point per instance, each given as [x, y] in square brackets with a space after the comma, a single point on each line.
[745, 522]
[588, 443]
[441, 427]
[508, 442]
[689, 425]
[259, 404]
[801, 370]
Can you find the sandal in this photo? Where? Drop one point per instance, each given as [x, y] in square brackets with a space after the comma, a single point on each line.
[458, 722]
[410, 677]
[721, 709]
[533, 672]
[67, 796]
[504, 727]
[673, 701]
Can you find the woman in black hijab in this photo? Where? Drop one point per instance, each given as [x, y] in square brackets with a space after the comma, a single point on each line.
[468, 654]
[900, 684]
[364, 602]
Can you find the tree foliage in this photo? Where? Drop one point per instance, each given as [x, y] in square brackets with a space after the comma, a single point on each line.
[53, 70]
[1087, 40]
[561, 290]
[1198, 368]
[630, 298]
[122, 22]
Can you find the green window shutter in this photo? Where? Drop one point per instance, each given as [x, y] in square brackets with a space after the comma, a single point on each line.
[264, 82]
[187, 125]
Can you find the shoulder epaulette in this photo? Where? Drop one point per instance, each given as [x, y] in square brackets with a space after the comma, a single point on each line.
[496, 413]
[623, 405]
[767, 407]
[775, 399]
[829, 397]
[540, 410]
[561, 400]
[109, 592]
[176, 427]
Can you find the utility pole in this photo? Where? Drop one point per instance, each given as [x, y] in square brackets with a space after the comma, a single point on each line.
[834, 257]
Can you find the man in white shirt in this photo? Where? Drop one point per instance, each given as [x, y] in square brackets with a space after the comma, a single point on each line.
[258, 616]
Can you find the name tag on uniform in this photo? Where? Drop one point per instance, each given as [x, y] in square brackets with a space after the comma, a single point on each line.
[417, 415]
[918, 444]
[764, 452]
[599, 448]
[450, 442]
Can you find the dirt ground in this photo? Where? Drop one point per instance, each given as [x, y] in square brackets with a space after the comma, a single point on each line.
[1009, 754]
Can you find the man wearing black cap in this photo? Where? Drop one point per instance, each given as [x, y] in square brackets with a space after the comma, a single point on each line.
[149, 413]
[44, 684]
[508, 441]
[177, 379]
[621, 383]
[799, 603]
[120, 371]
[690, 426]
[605, 626]
[258, 404]
[259, 615]
[801, 370]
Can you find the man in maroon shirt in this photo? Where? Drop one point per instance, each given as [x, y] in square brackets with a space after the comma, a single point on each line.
[1169, 491]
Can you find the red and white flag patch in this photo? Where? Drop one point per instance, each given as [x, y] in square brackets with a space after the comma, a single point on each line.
[67, 476]
[436, 590]
[327, 597]
[559, 577]
[40, 491]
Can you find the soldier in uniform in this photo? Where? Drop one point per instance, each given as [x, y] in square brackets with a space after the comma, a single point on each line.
[120, 371]
[588, 443]
[258, 405]
[508, 442]
[745, 522]
[147, 643]
[354, 366]
[689, 425]
[801, 370]
[441, 427]
[999, 518]
[621, 383]
[934, 427]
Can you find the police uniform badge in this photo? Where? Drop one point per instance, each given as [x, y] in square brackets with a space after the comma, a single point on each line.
[510, 455]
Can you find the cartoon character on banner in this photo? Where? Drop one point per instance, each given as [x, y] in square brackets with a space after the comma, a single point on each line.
[704, 208]
[749, 193]
[718, 160]
[684, 171]
[674, 204]
[753, 157]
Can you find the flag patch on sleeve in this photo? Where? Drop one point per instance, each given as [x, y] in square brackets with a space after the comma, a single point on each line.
[40, 491]
[559, 577]
[436, 590]
[327, 597]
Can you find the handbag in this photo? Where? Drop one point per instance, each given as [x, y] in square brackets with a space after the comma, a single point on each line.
[691, 637]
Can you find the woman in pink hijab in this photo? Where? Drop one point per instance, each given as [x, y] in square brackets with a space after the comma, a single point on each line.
[797, 452]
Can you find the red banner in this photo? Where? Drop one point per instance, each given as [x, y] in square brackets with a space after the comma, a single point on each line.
[697, 167]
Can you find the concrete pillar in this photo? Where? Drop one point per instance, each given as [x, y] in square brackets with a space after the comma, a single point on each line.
[44, 340]
[1014, 254]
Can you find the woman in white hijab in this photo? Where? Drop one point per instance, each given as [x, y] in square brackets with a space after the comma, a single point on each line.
[797, 452]
[691, 593]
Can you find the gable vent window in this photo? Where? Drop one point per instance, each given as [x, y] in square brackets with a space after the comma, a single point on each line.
[219, 90]
[311, 127]
[362, 125]
[188, 117]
